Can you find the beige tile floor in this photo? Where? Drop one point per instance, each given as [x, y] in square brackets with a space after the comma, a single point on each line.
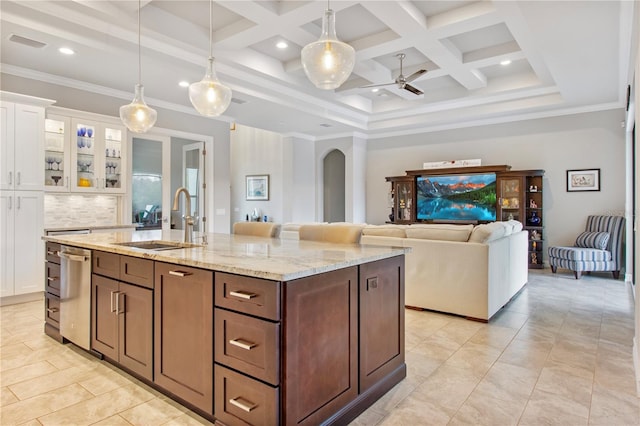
[558, 354]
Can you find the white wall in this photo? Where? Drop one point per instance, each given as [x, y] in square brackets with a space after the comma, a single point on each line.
[257, 152]
[583, 141]
[300, 181]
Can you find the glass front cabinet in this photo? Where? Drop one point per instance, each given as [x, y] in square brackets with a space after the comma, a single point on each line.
[402, 199]
[84, 155]
[510, 198]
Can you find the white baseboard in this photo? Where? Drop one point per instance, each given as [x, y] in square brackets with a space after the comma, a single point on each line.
[636, 365]
[628, 278]
[21, 298]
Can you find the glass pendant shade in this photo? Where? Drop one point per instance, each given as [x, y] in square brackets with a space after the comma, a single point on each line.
[328, 62]
[137, 116]
[210, 97]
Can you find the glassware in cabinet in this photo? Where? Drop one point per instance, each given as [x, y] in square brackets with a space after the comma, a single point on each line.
[83, 161]
[113, 157]
[56, 153]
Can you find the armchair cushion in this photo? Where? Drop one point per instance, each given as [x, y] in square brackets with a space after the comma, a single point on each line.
[596, 240]
[580, 254]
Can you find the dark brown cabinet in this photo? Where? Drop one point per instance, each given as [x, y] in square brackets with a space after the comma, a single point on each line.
[122, 317]
[520, 198]
[183, 333]
[381, 296]
[52, 291]
[402, 199]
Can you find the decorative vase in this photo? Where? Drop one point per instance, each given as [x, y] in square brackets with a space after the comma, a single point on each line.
[534, 219]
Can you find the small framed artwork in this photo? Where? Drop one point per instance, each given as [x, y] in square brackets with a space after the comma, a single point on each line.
[583, 180]
[257, 187]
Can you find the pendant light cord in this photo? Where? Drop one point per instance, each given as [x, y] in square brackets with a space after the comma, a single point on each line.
[139, 50]
[211, 28]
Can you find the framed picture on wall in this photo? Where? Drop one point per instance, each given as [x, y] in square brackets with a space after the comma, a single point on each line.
[583, 180]
[257, 187]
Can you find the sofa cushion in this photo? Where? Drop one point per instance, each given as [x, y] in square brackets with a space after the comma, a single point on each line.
[517, 225]
[488, 232]
[438, 231]
[397, 231]
[596, 240]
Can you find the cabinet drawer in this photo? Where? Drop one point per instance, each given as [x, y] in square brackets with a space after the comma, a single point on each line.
[248, 295]
[242, 400]
[136, 271]
[248, 344]
[107, 264]
[52, 280]
[52, 252]
[52, 310]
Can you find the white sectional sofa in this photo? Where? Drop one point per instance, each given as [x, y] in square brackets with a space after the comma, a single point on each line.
[466, 270]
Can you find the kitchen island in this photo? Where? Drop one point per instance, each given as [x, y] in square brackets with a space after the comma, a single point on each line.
[250, 330]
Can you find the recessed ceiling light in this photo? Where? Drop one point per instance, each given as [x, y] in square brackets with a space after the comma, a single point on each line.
[282, 45]
[375, 90]
[183, 84]
[66, 51]
[505, 62]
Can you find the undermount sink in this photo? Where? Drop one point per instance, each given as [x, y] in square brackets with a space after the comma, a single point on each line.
[158, 245]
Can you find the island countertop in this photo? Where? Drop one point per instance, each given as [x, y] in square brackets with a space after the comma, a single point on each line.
[269, 258]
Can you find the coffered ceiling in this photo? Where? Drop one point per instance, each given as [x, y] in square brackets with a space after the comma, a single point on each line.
[566, 57]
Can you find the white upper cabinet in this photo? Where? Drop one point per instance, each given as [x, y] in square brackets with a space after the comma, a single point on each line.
[21, 147]
[84, 154]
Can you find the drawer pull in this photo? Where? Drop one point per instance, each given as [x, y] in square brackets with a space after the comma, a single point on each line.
[241, 343]
[53, 278]
[243, 404]
[243, 294]
[52, 310]
[52, 253]
[180, 273]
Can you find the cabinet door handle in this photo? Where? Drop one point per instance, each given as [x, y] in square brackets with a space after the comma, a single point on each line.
[10, 178]
[180, 273]
[124, 300]
[18, 203]
[243, 294]
[18, 178]
[243, 404]
[51, 253]
[10, 205]
[52, 278]
[66, 185]
[241, 343]
[52, 310]
[114, 309]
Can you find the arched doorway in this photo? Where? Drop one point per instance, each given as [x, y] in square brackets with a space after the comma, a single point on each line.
[333, 187]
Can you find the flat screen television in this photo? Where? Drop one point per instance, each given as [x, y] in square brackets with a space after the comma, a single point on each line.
[456, 197]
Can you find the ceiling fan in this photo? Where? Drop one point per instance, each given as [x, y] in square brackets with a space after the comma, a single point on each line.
[402, 81]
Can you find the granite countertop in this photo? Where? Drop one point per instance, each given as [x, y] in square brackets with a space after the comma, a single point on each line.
[91, 227]
[269, 258]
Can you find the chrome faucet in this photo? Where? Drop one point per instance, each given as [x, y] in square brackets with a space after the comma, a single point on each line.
[188, 219]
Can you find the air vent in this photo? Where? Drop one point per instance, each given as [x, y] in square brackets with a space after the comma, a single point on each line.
[325, 125]
[238, 101]
[27, 41]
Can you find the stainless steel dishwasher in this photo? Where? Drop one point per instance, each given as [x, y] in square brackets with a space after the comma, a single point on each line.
[75, 295]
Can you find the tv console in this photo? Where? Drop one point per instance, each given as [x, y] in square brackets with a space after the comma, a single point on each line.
[518, 196]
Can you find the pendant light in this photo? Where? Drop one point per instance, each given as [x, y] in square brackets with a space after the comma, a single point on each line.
[208, 96]
[137, 116]
[328, 62]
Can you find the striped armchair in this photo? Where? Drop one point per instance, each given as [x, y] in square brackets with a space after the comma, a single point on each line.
[599, 248]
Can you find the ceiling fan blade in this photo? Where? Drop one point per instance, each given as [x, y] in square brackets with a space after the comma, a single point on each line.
[414, 76]
[412, 89]
[378, 85]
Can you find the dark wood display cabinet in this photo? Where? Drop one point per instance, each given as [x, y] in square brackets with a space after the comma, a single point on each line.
[122, 311]
[402, 199]
[52, 292]
[520, 198]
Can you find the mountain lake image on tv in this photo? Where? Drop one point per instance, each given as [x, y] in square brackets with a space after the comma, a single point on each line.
[469, 197]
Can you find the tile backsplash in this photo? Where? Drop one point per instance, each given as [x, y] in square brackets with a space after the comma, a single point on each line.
[64, 210]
